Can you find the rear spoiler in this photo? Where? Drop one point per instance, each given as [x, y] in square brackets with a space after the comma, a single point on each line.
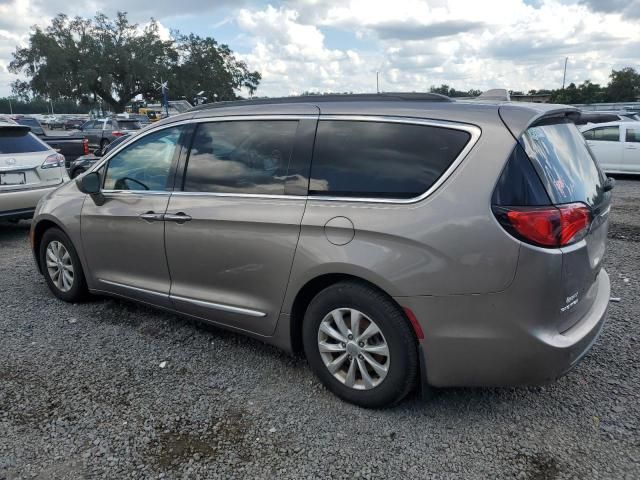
[518, 117]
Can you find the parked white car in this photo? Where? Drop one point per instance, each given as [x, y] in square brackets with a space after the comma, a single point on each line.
[29, 169]
[616, 145]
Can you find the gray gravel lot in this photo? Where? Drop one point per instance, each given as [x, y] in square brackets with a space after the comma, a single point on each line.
[82, 395]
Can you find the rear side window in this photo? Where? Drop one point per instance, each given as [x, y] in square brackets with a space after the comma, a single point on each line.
[19, 140]
[380, 159]
[564, 163]
[603, 134]
[633, 135]
[241, 157]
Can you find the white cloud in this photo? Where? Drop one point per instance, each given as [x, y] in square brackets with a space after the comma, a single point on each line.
[338, 45]
[419, 43]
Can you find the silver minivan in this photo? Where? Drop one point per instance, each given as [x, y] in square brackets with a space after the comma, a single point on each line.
[399, 240]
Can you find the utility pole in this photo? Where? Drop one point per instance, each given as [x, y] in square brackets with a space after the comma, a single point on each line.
[564, 76]
[377, 82]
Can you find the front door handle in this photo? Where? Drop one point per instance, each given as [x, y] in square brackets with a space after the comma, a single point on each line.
[151, 216]
[179, 217]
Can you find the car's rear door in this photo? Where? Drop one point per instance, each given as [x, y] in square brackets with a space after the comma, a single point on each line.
[233, 223]
[123, 235]
[605, 142]
[631, 152]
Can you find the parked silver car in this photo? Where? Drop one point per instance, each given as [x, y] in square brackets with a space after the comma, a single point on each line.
[399, 240]
[29, 169]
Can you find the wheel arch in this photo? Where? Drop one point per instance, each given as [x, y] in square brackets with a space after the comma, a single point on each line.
[37, 232]
[314, 286]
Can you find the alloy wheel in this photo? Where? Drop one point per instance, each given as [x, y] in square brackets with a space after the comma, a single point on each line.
[353, 348]
[59, 266]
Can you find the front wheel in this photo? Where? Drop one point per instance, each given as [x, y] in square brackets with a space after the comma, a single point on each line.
[61, 266]
[360, 345]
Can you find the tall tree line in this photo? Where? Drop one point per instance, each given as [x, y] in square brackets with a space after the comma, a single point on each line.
[89, 60]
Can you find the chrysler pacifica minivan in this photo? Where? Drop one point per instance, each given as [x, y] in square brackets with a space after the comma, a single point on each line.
[398, 240]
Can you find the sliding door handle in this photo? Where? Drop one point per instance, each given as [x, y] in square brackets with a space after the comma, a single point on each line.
[151, 216]
[179, 217]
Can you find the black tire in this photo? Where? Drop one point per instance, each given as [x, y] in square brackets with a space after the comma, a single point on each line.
[379, 307]
[78, 290]
[103, 144]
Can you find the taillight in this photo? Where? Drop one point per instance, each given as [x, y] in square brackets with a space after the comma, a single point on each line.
[553, 226]
[85, 147]
[117, 133]
[52, 161]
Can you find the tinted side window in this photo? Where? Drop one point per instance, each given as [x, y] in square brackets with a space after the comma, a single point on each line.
[249, 156]
[633, 135]
[145, 164]
[379, 159]
[606, 134]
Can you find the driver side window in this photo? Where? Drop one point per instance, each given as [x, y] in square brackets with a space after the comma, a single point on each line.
[145, 164]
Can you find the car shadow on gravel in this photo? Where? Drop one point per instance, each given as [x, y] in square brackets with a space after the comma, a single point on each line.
[14, 231]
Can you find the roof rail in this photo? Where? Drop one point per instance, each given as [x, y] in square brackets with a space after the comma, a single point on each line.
[351, 97]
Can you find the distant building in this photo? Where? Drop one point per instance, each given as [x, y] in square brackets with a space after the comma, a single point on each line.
[535, 98]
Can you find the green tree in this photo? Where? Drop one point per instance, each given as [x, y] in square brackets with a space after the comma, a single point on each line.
[210, 67]
[624, 85]
[114, 60]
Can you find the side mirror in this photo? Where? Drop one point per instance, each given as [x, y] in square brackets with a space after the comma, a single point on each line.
[90, 184]
[609, 184]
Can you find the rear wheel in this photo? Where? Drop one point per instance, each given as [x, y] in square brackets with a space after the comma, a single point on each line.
[103, 144]
[360, 345]
[61, 266]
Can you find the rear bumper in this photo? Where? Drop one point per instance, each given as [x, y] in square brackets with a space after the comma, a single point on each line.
[21, 203]
[478, 340]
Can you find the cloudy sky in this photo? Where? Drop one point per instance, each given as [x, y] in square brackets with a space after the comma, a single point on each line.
[327, 45]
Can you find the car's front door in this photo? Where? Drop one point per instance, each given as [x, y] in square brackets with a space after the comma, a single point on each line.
[631, 155]
[123, 235]
[231, 233]
[606, 146]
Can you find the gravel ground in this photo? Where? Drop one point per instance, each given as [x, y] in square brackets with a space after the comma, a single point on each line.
[83, 394]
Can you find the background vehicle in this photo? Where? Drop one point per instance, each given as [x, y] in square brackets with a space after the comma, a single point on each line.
[71, 147]
[587, 117]
[395, 238]
[73, 124]
[29, 169]
[82, 164]
[616, 145]
[51, 121]
[104, 131]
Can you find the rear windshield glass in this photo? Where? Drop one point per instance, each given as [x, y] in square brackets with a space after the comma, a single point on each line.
[19, 140]
[564, 163]
[129, 124]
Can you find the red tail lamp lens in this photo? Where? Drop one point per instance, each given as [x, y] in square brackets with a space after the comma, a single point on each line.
[549, 226]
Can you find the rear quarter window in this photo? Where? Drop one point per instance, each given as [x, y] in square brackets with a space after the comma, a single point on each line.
[564, 163]
[19, 140]
[381, 159]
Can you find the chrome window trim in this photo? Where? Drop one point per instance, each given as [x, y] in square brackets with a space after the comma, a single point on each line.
[473, 130]
[219, 306]
[137, 192]
[239, 195]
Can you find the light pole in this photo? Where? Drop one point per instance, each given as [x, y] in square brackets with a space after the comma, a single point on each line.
[377, 82]
[10, 106]
[564, 76]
